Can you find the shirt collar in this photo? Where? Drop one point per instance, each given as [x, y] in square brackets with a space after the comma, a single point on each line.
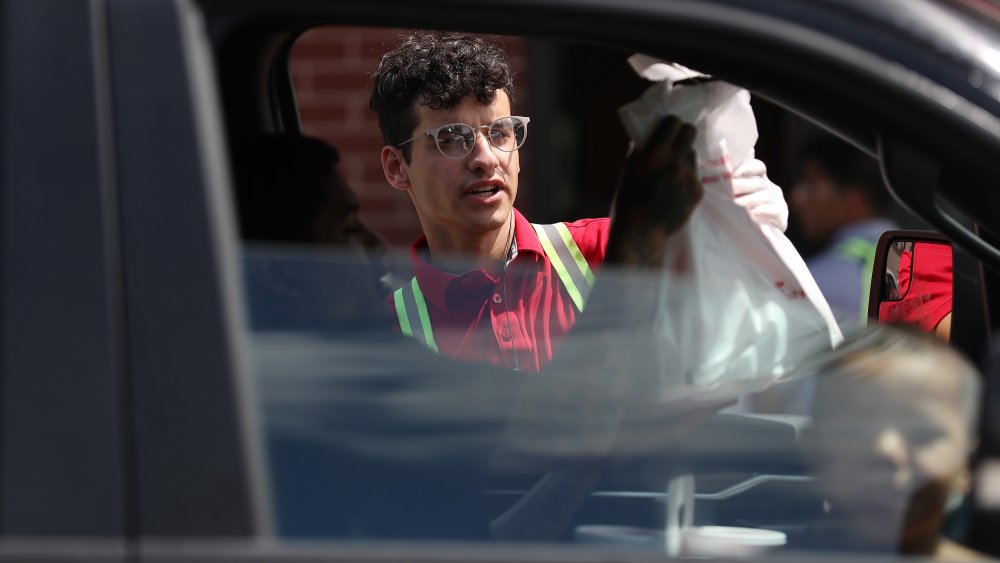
[434, 281]
[525, 236]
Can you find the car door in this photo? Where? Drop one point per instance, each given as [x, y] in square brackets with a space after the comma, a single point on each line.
[195, 452]
[64, 454]
[120, 384]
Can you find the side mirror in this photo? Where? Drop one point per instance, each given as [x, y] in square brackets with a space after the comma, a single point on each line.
[912, 281]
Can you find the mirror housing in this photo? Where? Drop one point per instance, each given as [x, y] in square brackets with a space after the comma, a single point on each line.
[912, 281]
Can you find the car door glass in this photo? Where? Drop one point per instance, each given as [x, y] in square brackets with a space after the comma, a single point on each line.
[372, 435]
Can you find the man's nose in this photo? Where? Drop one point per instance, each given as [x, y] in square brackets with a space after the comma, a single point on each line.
[483, 153]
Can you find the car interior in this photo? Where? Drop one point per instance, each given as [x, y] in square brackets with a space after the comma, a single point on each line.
[352, 457]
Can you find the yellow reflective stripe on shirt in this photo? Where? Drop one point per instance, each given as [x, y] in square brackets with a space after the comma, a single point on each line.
[572, 268]
[404, 319]
[410, 303]
[575, 252]
[425, 317]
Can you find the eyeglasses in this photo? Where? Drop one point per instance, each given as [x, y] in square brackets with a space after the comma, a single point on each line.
[456, 140]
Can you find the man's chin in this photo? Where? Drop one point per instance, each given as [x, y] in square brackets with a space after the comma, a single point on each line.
[499, 218]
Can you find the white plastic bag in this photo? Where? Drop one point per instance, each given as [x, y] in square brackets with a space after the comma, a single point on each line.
[738, 309]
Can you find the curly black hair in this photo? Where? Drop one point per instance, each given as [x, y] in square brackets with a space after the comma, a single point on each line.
[438, 70]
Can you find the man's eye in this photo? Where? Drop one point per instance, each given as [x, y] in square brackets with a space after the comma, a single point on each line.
[500, 134]
[449, 139]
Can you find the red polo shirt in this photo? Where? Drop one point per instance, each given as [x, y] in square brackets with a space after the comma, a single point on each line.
[474, 318]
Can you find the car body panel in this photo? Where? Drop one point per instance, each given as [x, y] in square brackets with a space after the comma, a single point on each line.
[62, 351]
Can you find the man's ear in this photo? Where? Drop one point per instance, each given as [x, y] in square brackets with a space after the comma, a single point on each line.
[395, 168]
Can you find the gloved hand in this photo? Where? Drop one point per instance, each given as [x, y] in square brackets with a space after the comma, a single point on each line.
[759, 195]
[658, 192]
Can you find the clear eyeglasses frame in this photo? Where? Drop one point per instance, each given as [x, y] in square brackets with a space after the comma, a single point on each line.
[456, 140]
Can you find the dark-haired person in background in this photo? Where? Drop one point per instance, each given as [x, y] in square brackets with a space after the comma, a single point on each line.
[840, 202]
[290, 190]
[292, 198]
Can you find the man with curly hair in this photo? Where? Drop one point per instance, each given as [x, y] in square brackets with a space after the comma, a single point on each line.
[444, 103]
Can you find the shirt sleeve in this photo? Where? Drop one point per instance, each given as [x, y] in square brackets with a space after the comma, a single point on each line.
[591, 235]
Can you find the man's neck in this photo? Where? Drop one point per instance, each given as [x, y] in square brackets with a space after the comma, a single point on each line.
[485, 252]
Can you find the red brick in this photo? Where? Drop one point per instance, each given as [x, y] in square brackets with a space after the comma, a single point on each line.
[308, 50]
[397, 239]
[382, 38]
[374, 175]
[330, 79]
[345, 35]
[367, 163]
[363, 142]
[322, 113]
[373, 47]
[320, 34]
[374, 205]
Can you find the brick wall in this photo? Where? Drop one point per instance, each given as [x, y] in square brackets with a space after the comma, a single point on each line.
[331, 67]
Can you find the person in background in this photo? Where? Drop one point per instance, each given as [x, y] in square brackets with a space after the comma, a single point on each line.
[291, 191]
[840, 202]
[302, 217]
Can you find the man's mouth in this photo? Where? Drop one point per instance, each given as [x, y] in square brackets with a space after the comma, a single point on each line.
[487, 191]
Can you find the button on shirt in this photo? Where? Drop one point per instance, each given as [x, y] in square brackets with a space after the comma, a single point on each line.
[475, 317]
